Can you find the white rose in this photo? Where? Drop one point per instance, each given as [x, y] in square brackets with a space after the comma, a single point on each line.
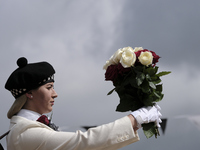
[111, 62]
[137, 49]
[127, 48]
[128, 57]
[106, 65]
[117, 56]
[146, 58]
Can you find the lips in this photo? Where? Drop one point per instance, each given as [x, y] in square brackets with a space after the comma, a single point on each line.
[52, 103]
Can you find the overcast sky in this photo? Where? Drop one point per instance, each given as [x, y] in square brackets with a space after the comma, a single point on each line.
[77, 37]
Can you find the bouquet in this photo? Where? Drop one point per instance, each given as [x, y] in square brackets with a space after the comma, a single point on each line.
[136, 80]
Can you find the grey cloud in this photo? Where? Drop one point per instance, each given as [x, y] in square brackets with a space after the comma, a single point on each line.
[77, 38]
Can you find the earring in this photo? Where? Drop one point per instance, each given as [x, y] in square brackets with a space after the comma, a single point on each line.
[31, 96]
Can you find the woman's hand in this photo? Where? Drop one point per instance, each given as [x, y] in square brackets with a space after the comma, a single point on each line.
[147, 115]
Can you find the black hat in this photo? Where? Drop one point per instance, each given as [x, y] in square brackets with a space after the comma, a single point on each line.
[28, 76]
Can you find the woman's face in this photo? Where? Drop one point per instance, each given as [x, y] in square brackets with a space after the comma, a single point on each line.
[43, 98]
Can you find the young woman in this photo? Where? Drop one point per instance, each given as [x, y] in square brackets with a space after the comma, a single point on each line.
[32, 85]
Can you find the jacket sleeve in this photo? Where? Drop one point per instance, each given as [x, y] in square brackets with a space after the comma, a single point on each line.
[105, 137]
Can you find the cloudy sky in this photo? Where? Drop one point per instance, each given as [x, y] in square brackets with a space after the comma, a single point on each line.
[77, 37]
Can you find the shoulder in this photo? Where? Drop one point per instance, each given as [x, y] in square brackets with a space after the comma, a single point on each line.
[17, 121]
[23, 132]
[20, 124]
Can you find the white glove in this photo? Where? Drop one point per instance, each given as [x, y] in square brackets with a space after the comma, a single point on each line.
[148, 114]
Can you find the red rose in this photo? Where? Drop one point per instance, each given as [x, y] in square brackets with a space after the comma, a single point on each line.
[155, 57]
[121, 70]
[111, 73]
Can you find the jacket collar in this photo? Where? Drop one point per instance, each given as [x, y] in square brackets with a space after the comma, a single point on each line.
[24, 123]
[28, 114]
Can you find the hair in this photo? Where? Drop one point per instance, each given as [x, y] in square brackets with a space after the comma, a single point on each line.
[17, 106]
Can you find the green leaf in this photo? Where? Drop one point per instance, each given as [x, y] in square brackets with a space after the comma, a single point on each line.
[151, 71]
[163, 73]
[149, 100]
[151, 84]
[130, 78]
[145, 87]
[126, 102]
[148, 77]
[155, 79]
[122, 107]
[149, 129]
[157, 95]
[138, 68]
[159, 87]
[140, 78]
[111, 91]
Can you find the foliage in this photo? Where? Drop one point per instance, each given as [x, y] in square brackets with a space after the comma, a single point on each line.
[139, 87]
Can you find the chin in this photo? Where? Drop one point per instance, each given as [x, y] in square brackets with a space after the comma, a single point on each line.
[48, 111]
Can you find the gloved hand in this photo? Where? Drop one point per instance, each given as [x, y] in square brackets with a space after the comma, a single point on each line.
[147, 115]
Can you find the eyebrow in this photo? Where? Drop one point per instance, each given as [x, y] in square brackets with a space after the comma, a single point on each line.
[50, 84]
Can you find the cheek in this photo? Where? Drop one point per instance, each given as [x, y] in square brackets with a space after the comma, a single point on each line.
[45, 104]
[43, 99]
[44, 94]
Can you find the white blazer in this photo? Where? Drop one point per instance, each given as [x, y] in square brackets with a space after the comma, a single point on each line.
[32, 135]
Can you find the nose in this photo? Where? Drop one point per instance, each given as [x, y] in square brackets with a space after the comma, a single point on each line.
[54, 94]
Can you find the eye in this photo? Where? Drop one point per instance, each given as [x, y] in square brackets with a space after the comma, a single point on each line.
[49, 87]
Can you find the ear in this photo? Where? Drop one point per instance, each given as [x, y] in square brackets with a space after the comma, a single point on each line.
[29, 95]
